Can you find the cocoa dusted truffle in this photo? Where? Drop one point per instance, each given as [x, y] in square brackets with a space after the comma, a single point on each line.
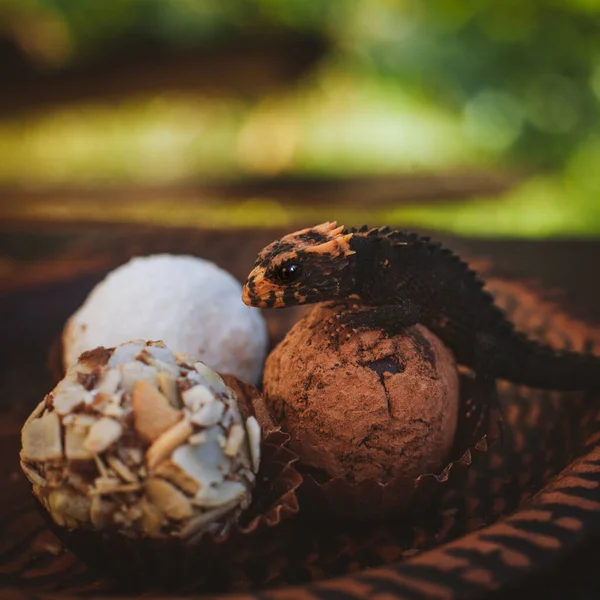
[142, 442]
[367, 405]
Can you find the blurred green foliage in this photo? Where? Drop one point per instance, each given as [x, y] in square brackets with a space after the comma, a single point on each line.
[408, 85]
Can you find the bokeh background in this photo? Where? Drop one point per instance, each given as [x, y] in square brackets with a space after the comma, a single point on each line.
[478, 117]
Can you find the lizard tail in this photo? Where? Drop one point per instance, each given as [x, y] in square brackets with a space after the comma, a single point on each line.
[533, 364]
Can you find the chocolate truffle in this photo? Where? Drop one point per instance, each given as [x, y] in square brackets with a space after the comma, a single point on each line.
[364, 405]
[190, 303]
[142, 442]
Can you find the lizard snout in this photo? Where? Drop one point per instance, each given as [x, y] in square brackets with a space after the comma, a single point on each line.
[253, 292]
[246, 298]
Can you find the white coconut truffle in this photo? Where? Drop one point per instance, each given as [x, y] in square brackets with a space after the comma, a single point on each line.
[189, 303]
[143, 442]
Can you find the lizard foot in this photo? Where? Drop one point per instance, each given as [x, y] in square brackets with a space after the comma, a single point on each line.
[340, 330]
[390, 319]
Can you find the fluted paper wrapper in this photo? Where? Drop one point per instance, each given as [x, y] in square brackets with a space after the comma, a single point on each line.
[479, 425]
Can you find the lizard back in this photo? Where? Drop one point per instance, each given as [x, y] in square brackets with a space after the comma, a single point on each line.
[394, 265]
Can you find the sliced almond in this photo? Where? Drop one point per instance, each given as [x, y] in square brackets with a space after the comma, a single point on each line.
[229, 416]
[211, 377]
[235, 439]
[134, 512]
[168, 499]
[208, 415]
[152, 412]
[67, 399]
[103, 433]
[125, 353]
[40, 439]
[113, 409]
[184, 360]
[102, 468]
[127, 515]
[197, 396]
[79, 507]
[84, 422]
[195, 525]
[33, 475]
[151, 355]
[167, 442]
[79, 483]
[55, 508]
[152, 518]
[37, 411]
[168, 386]
[126, 488]
[161, 353]
[175, 474]
[253, 430]
[121, 469]
[225, 493]
[133, 455]
[101, 511]
[132, 373]
[110, 381]
[69, 507]
[167, 367]
[197, 438]
[206, 463]
[74, 443]
[112, 485]
[161, 359]
[104, 485]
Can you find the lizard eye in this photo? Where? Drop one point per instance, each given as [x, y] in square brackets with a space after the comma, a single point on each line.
[288, 273]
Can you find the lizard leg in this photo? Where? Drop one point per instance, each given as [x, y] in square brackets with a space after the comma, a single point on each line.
[392, 318]
[476, 405]
[486, 391]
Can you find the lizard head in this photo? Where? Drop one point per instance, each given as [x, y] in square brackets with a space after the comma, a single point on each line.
[311, 265]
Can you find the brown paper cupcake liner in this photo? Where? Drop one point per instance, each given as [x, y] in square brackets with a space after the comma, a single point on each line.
[370, 499]
[176, 565]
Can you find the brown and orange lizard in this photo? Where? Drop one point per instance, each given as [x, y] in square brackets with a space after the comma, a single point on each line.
[399, 279]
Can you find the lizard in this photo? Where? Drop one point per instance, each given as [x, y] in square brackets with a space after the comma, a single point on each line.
[399, 279]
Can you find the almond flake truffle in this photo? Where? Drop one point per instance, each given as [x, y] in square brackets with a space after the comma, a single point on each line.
[143, 442]
[366, 406]
[189, 303]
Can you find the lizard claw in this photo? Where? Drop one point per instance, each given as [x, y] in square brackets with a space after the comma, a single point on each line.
[341, 328]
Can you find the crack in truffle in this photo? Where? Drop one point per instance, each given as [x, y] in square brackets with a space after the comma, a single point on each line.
[388, 364]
